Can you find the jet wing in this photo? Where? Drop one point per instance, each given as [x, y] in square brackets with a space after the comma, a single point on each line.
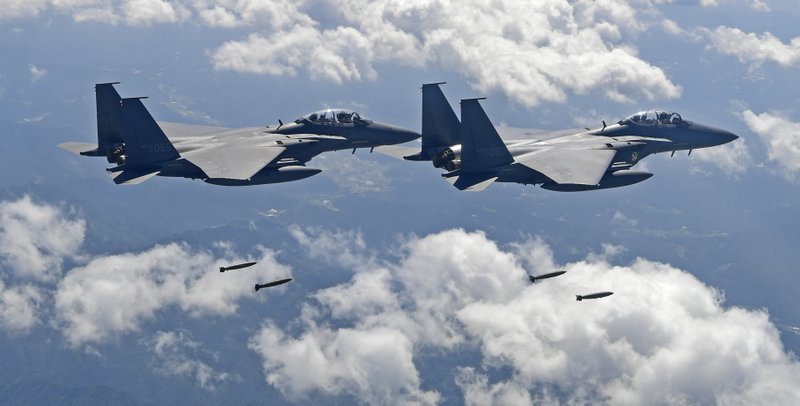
[180, 130]
[234, 160]
[570, 166]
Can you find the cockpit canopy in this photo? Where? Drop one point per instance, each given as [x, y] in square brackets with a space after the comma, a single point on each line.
[332, 117]
[654, 118]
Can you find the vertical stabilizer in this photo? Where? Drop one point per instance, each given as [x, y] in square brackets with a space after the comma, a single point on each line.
[481, 146]
[109, 117]
[145, 142]
[440, 126]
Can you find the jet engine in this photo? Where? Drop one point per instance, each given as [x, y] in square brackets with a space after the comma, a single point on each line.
[449, 159]
[117, 155]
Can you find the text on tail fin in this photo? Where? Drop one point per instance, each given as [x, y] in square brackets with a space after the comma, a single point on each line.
[145, 142]
[481, 146]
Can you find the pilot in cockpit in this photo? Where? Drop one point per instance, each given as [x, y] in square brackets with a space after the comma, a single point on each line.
[344, 117]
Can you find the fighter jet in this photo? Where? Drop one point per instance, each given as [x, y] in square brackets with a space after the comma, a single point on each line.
[139, 148]
[474, 153]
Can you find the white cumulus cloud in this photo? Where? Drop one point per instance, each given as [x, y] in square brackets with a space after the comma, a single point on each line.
[533, 52]
[556, 49]
[663, 337]
[478, 391]
[146, 12]
[781, 136]
[733, 158]
[19, 307]
[235, 13]
[341, 54]
[755, 49]
[12, 9]
[113, 295]
[375, 365]
[36, 238]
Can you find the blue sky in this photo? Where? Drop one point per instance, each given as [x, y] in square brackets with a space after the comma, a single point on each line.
[405, 290]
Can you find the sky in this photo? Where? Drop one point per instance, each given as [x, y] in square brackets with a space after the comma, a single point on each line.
[405, 290]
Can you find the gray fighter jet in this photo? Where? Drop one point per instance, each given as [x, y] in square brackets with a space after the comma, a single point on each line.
[475, 153]
[140, 148]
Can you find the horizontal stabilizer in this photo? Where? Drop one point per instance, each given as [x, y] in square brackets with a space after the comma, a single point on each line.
[81, 148]
[397, 151]
[133, 176]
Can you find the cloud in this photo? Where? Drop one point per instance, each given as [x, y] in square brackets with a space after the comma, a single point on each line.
[664, 337]
[343, 248]
[36, 238]
[13, 9]
[36, 72]
[236, 13]
[757, 5]
[754, 49]
[374, 365]
[559, 48]
[101, 14]
[172, 349]
[147, 12]
[113, 295]
[478, 391]
[781, 136]
[19, 307]
[338, 55]
[621, 219]
[35, 119]
[733, 158]
[353, 174]
[132, 12]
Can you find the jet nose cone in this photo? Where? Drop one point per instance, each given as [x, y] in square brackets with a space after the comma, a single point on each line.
[729, 136]
[711, 136]
[408, 135]
[396, 135]
[721, 137]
